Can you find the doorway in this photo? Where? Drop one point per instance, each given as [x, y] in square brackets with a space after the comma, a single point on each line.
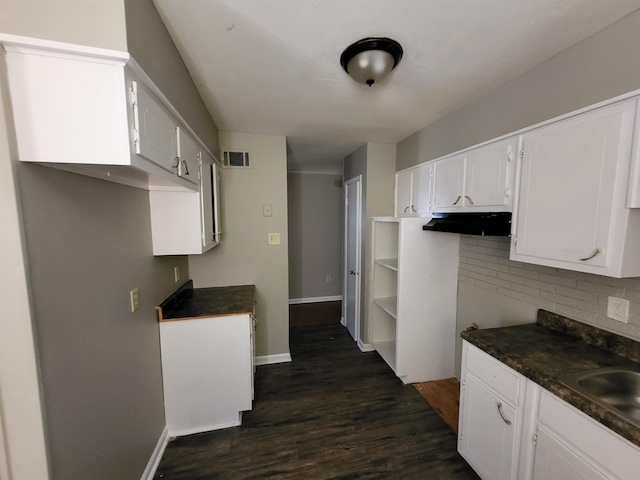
[352, 261]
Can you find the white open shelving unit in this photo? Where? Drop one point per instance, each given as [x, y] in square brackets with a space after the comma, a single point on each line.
[413, 292]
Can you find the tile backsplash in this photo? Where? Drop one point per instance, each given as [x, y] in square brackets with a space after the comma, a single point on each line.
[484, 262]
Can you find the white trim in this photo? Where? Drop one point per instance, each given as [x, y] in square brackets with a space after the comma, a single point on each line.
[208, 428]
[156, 456]
[271, 359]
[39, 45]
[332, 298]
[366, 347]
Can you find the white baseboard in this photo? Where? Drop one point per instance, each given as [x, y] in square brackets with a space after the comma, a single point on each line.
[366, 347]
[208, 428]
[269, 359]
[156, 456]
[334, 298]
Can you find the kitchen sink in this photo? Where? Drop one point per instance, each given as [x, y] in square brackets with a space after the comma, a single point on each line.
[615, 388]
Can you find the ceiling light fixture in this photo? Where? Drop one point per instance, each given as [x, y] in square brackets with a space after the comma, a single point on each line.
[371, 59]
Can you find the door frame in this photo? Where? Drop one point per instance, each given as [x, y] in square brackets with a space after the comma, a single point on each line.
[357, 183]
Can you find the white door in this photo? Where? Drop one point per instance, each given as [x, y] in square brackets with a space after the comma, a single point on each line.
[353, 229]
[403, 193]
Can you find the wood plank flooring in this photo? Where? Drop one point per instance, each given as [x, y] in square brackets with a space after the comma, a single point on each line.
[444, 398]
[332, 413]
[319, 313]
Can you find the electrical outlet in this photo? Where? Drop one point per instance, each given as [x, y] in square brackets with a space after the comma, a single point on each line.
[618, 309]
[135, 299]
[176, 274]
[274, 239]
[328, 278]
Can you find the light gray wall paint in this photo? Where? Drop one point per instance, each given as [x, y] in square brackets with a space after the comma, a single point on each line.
[23, 452]
[150, 44]
[376, 163]
[316, 216]
[600, 67]
[88, 244]
[98, 23]
[244, 256]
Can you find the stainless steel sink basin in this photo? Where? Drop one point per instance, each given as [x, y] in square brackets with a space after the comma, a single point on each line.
[615, 388]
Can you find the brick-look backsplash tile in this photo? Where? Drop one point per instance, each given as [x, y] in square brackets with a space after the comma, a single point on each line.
[484, 262]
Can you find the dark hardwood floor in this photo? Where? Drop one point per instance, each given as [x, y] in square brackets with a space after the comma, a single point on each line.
[332, 413]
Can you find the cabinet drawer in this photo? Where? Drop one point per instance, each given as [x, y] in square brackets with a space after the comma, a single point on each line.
[593, 440]
[495, 374]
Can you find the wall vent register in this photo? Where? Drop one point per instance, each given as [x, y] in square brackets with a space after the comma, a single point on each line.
[235, 158]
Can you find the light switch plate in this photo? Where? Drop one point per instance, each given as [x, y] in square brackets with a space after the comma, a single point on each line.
[135, 300]
[266, 210]
[618, 309]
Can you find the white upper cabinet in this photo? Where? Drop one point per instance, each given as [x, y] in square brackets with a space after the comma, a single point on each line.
[188, 223]
[571, 209]
[95, 112]
[154, 128]
[477, 180]
[413, 191]
[188, 157]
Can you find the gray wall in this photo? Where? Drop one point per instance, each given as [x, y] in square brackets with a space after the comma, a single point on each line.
[494, 291]
[88, 243]
[316, 204]
[376, 163]
[244, 256]
[151, 46]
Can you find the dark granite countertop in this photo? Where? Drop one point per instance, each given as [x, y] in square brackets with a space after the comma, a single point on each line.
[555, 346]
[188, 302]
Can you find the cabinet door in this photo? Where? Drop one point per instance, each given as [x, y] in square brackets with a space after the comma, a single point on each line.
[488, 176]
[421, 183]
[156, 128]
[448, 184]
[210, 204]
[485, 438]
[555, 461]
[568, 186]
[403, 193]
[189, 156]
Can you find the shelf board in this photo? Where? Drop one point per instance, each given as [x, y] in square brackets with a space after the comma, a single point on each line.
[388, 304]
[387, 350]
[391, 263]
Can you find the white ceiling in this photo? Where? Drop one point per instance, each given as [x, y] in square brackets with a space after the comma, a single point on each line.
[273, 67]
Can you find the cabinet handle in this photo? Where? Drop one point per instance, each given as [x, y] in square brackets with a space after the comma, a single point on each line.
[177, 159]
[469, 198]
[406, 208]
[457, 199]
[506, 420]
[186, 167]
[413, 209]
[353, 272]
[596, 252]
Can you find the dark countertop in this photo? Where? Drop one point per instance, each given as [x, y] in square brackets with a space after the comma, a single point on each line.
[188, 302]
[555, 346]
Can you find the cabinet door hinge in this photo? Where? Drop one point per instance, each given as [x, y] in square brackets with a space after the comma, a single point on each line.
[534, 439]
[135, 129]
[515, 241]
[522, 154]
[509, 154]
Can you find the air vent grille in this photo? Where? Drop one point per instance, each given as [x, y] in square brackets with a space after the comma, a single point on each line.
[235, 159]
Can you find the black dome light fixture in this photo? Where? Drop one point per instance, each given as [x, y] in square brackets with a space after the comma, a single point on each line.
[371, 59]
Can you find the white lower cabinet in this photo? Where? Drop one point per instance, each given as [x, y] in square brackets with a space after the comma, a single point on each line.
[511, 428]
[207, 370]
[491, 411]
